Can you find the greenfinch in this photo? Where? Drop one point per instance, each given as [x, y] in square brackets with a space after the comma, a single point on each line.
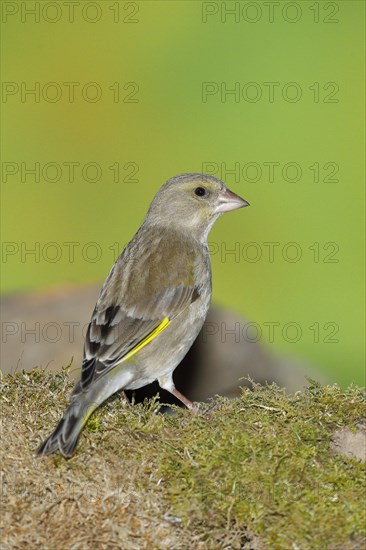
[152, 304]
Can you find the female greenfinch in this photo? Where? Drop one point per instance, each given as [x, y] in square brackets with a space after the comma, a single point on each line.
[152, 304]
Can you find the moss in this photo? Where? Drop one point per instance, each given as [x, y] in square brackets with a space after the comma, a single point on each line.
[253, 472]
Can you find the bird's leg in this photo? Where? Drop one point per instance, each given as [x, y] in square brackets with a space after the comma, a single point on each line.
[168, 384]
[122, 395]
[189, 404]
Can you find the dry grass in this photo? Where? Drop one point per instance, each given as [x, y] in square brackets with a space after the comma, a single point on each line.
[251, 473]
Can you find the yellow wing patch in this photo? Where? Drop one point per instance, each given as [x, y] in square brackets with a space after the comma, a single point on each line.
[165, 322]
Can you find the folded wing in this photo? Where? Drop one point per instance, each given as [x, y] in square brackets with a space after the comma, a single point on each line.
[134, 309]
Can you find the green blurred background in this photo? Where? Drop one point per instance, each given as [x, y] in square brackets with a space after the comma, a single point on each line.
[169, 50]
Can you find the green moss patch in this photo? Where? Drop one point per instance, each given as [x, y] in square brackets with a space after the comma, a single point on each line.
[255, 472]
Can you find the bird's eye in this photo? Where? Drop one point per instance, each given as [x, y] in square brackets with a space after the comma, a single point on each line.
[200, 191]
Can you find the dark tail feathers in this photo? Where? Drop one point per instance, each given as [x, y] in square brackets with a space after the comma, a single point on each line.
[64, 438]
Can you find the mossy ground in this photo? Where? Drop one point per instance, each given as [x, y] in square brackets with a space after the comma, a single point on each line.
[255, 472]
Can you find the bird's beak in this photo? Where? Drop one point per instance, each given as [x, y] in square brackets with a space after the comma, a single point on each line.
[229, 201]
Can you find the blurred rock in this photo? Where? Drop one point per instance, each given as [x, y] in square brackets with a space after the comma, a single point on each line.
[46, 330]
[351, 444]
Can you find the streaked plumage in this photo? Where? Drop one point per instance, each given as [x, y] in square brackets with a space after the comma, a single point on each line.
[152, 304]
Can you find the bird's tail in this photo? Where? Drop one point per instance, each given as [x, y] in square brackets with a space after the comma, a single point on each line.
[83, 403]
[66, 435]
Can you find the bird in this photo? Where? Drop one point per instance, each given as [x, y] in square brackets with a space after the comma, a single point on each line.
[152, 304]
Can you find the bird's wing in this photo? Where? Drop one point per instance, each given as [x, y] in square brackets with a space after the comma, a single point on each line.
[137, 303]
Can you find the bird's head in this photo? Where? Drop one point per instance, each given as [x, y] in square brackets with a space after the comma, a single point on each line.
[192, 202]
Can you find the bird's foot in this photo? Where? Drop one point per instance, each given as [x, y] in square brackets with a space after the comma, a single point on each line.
[123, 397]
